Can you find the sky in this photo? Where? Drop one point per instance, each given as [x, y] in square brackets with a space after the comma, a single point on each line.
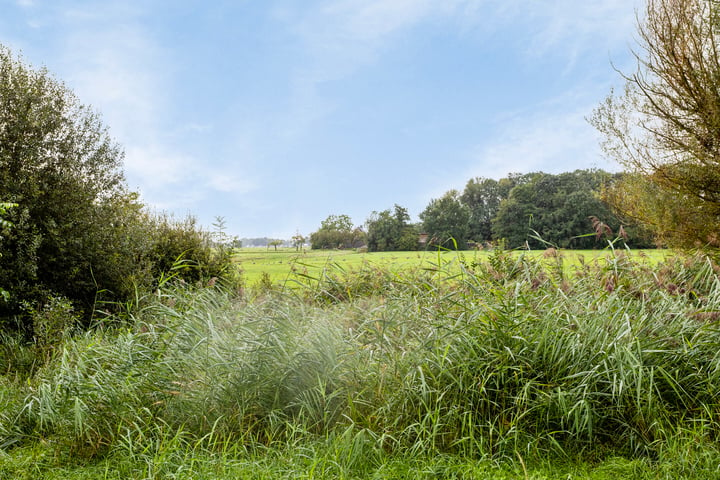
[274, 114]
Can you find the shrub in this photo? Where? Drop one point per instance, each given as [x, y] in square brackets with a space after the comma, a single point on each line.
[76, 228]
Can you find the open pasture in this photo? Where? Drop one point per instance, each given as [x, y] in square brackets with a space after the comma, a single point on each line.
[283, 265]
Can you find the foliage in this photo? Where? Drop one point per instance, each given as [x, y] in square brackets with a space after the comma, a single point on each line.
[665, 128]
[527, 210]
[558, 209]
[180, 248]
[391, 231]
[483, 196]
[337, 231]
[498, 362]
[74, 227]
[77, 233]
[298, 241]
[4, 224]
[4, 207]
[446, 221]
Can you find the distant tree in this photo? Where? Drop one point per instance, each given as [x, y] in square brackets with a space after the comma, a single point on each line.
[482, 196]
[514, 219]
[337, 231]
[665, 128]
[446, 221]
[558, 208]
[275, 244]
[337, 222]
[391, 231]
[298, 241]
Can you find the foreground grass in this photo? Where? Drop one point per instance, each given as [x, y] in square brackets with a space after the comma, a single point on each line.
[508, 367]
[314, 461]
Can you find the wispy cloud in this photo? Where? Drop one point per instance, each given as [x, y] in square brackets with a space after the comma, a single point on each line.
[570, 28]
[114, 63]
[116, 69]
[222, 181]
[155, 166]
[553, 140]
[339, 39]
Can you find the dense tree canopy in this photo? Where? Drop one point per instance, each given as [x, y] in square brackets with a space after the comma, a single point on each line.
[527, 210]
[445, 220]
[337, 231]
[391, 230]
[482, 196]
[665, 128]
[555, 208]
[74, 213]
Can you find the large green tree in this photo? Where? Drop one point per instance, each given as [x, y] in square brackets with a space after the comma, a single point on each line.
[665, 128]
[74, 217]
[78, 234]
[390, 230]
[445, 220]
[557, 209]
[482, 196]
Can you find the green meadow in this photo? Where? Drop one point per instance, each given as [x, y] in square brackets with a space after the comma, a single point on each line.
[284, 265]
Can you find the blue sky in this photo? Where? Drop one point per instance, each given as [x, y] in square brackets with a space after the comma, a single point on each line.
[276, 113]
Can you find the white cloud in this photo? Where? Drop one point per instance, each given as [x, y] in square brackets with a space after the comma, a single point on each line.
[154, 166]
[550, 139]
[118, 67]
[119, 71]
[570, 28]
[340, 38]
[370, 21]
[224, 182]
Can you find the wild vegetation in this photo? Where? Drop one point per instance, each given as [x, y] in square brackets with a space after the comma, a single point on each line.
[73, 237]
[664, 127]
[503, 363]
[131, 346]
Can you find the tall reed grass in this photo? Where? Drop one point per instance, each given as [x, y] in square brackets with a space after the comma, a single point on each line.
[513, 358]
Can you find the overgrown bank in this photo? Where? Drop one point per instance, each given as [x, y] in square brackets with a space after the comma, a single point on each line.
[510, 361]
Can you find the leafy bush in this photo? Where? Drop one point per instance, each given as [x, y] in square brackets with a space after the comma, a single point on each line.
[181, 248]
[77, 232]
[75, 228]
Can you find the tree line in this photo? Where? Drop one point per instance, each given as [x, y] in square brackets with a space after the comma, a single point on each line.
[532, 210]
[664, 129]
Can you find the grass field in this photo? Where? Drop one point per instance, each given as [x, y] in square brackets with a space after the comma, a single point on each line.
[496, 365]
[282, 266]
